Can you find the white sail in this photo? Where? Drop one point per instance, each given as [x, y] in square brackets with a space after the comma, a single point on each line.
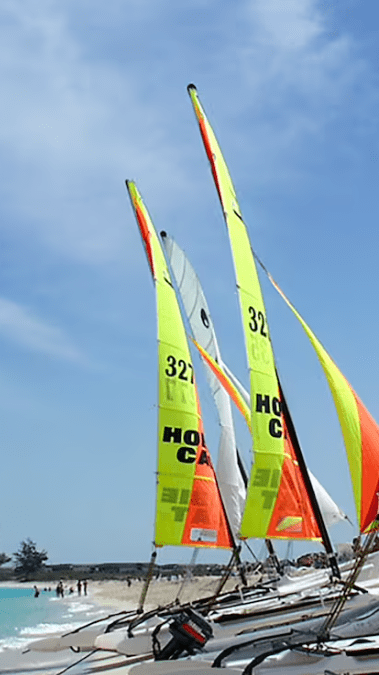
[331, 512]
[228, 474]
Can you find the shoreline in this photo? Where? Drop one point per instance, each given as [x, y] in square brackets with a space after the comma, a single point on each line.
[118, 594]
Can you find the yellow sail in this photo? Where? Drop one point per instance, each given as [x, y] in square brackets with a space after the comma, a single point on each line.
[359, 429]
[276, 494]
[189, 510]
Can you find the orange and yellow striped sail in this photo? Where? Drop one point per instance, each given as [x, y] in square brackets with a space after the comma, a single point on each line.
[277, 504]
[360, 431]
[189, 510]
[226, 383]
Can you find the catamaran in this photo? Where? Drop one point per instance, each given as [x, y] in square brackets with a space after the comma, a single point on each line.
[276, 453]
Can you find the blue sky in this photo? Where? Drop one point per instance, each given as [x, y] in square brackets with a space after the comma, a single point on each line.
[93, 93]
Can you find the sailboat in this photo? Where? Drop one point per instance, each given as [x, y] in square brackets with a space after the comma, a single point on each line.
[298, 523]
[276, 479]
[272, 426]
[190, 509]
[360, 431]
[276, 453]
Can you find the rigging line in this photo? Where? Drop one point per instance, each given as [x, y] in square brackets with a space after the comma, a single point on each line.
[251, 551]
[188, 574]
[273, 557]
[76, 662]
[350, 581]
[224, 579]
[91, 623]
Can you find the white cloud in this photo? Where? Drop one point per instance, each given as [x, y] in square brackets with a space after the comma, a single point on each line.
[77, 120]
[67, 131]
[291, 79]
[303, 59]
[18, 324]
[288, 24]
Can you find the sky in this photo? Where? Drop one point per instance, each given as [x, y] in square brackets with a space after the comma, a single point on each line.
[94, 93]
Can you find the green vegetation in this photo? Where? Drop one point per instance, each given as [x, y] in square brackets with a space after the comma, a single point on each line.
[28, 560]
[4, 559]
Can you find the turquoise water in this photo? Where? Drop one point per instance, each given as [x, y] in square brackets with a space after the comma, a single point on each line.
[24, 618]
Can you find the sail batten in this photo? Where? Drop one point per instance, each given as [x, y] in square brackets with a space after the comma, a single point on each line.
[189, 509]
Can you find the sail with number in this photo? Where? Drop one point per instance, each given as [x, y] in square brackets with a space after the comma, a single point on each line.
[189, 509]
[277, 500]
[359, 429]
[230, 481]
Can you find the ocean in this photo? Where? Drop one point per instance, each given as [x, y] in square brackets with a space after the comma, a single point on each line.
[24, 618]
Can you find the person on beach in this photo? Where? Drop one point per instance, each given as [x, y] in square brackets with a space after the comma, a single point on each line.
[79, 587]
[36, 592]
[59, 590]
[85, 586]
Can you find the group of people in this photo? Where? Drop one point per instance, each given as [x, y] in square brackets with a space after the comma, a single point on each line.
[81, 584]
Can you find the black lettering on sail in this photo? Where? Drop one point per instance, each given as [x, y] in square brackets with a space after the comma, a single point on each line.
[186, 455]
[275, 427]
[276, 406]
[263, 403]
[191, 437]
[171, 434]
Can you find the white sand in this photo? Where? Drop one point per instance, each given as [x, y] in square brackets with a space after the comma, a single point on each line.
[117, 594]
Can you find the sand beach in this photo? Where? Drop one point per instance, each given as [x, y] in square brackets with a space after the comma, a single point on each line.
[118, 595]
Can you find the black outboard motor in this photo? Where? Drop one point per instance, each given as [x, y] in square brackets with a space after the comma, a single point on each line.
[189, 630]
